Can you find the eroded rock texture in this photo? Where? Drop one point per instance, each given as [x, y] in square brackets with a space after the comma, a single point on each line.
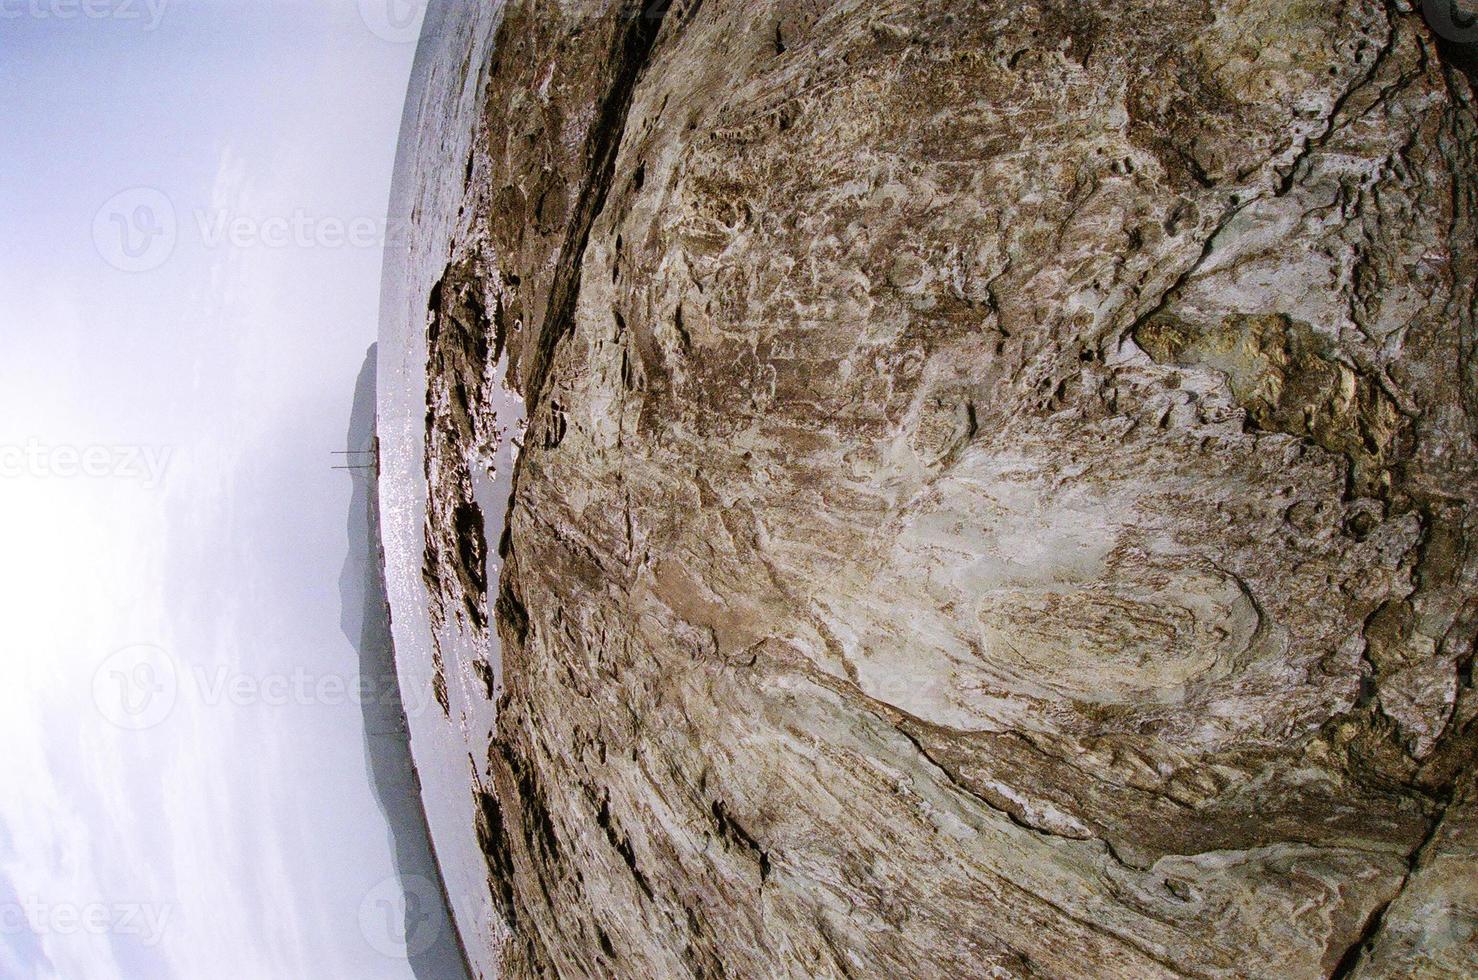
[999, 490]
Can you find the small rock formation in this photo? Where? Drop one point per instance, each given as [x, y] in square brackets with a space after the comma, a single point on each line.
[999, 491]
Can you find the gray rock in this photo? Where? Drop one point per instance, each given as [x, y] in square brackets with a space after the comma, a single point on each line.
[998, 495]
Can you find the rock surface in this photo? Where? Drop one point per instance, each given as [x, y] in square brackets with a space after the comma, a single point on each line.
[999, 489]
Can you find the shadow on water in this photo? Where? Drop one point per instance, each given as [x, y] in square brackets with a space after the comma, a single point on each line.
[408, 919]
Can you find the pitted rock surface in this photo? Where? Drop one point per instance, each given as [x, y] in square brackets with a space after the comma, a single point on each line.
[999, 493]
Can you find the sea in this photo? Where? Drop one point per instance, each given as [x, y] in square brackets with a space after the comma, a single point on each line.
[428, 215]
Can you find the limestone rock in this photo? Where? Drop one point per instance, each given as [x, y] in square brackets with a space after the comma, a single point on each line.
[999, 489]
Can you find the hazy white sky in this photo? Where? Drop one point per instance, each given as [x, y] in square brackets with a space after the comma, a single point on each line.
[191, 195]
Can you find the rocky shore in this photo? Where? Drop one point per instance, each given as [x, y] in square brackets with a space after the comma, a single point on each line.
[998, 495]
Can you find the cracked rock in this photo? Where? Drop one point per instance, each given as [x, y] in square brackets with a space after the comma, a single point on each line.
[999, 493]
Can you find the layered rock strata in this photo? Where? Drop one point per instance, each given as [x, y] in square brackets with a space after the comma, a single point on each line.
[999, 489]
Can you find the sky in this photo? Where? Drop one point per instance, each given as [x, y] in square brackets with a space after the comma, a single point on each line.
[192, 194]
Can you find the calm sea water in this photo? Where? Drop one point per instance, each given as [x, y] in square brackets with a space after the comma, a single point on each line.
[426, 218]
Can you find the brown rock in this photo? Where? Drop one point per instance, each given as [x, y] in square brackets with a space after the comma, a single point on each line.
[999, 490]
